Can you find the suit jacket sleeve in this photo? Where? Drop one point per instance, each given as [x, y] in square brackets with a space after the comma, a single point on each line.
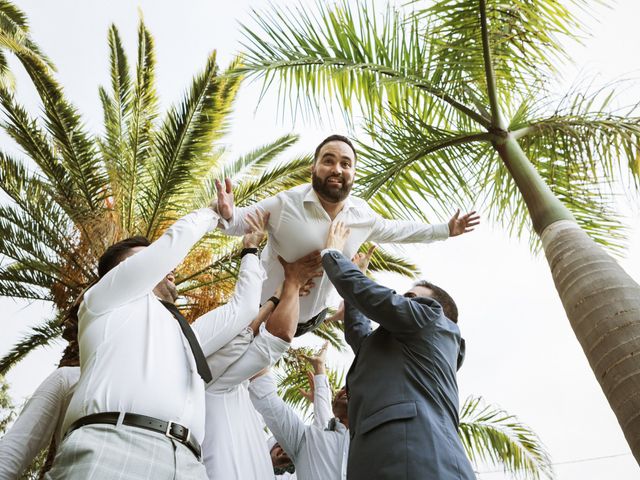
[356, 326]
[394, 312]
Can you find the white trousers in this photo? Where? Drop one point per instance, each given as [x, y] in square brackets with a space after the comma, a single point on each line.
[103, 451]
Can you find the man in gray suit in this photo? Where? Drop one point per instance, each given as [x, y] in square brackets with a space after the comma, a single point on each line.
[403, 394]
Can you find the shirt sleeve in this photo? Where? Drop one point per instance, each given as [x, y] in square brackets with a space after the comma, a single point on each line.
[138, 274]
[265, 350]
[237, 225]
[401, 231]
[33, 429]
[279, 417]
[396, 313]
[322, 411]
[220, 361]
[217, 327]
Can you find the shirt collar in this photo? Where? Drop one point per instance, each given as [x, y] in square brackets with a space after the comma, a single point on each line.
[312, 197]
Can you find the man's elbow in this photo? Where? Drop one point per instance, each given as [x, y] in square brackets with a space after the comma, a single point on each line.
[281, 332]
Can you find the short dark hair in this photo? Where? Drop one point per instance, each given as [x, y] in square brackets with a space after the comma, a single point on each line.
[443, 298]
[334, 138]
[113, 255]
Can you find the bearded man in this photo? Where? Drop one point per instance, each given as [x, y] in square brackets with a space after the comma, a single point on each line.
[299, 221]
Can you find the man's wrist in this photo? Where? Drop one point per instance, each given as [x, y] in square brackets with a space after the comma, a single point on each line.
[329, 249]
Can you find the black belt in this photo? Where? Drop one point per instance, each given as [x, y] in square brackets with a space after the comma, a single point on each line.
[170, 429]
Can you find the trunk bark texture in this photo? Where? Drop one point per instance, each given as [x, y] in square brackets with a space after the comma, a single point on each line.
[603, 305]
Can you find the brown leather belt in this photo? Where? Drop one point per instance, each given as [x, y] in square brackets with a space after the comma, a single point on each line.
[170, 429]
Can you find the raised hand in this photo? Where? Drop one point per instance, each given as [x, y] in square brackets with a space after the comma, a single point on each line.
[224, 204]
[338, 234]
[463, 224]
[318, 359]
[362, 260]
[257, 229]
[308, 394]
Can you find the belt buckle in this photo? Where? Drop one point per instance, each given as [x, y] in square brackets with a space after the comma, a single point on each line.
[171, 435]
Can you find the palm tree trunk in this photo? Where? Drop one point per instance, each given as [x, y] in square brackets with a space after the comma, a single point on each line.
[601, 300]
[603, 305]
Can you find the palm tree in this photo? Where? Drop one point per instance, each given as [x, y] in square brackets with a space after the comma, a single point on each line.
[456, 96]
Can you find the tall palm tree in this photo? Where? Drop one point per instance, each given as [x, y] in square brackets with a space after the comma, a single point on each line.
[456, 96]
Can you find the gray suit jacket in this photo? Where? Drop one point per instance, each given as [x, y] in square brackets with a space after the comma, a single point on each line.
[403, 393]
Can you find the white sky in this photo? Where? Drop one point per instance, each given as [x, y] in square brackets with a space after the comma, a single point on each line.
[522, 354]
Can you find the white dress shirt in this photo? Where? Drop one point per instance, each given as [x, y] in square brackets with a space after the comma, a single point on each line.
[317, 453]
[40, 419]
[234, 446]
[133, 355]
[298, 224]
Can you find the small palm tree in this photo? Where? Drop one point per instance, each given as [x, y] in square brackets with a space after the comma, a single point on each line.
[456, 96]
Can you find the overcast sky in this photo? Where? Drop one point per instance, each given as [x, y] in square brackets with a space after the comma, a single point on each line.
[521, 352]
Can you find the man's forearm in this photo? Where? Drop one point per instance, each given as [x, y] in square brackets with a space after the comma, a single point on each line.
[284, 319]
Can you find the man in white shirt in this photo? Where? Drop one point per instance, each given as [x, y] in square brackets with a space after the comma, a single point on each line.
[319, 451]
[300, 218]
[138, 409]
[234, 447]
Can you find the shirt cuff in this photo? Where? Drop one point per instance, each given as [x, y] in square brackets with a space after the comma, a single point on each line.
[211, 216]
[440, 231]
[327, 250]
[321, 379]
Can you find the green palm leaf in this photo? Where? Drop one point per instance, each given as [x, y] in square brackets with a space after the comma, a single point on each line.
[184, 141]
[492, 436]
[39, 336]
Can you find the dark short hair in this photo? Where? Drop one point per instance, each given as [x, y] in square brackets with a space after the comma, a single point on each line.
[334, 138]
[113, 255]
[443, 298]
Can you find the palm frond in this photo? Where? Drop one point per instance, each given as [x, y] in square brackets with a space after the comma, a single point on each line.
[526, 40]
[492, 436]
[77, 151]
[258, 159]
[346, 50]
[25, 131]
[333, 332]
[291, 377]
[39, 336]
[183, 141]
[383, 260]
[14, 32]
[144, 110]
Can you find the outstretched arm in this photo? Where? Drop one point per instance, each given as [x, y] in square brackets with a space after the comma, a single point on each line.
[400, 231]
[138, 274]
[217, 327]
[280, 418]
[381, 304]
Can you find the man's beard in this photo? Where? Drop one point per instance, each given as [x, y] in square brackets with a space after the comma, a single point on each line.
[333, 195]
